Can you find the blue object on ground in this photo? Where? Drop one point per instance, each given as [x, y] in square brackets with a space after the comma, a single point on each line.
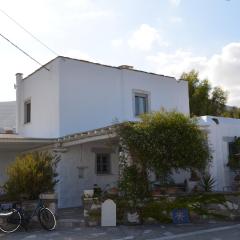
[180, 216]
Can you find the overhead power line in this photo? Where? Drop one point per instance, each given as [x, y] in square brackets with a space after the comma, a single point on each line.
[29, 33]
[23, 51]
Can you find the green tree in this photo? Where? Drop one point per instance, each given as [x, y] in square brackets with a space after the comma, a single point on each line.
[203, 99]
[232, 112]
[217, 102]
[162, 142]
[198, 93]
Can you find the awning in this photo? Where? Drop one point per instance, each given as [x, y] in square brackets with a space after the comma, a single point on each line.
[16, 143]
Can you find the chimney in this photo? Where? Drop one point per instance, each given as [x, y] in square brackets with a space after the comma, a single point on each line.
[18, 87]
[125, 67]
[19, 77]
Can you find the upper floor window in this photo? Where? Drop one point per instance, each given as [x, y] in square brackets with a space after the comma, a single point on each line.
[103, 164]
[27, 111]
[141, 103]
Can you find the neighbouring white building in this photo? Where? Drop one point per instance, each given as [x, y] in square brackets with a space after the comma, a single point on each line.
[221, 131]
[7, 116]
[68, 105]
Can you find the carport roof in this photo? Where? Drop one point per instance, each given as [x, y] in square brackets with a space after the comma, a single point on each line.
[15, 143]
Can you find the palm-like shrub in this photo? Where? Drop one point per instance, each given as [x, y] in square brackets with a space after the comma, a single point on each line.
[207, 183]
[31, 174]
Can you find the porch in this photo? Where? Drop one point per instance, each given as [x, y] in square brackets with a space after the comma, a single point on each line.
[12, 144]
[86, 159]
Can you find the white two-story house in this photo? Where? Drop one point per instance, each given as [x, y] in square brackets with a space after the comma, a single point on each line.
[69, 106]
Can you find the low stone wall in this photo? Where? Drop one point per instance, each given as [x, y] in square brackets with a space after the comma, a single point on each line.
[230, 208]
[217, 206]
[214, 205]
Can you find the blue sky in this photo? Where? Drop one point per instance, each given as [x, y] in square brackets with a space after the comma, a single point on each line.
[163, 36]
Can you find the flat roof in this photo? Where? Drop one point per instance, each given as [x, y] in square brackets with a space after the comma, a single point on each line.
[100, 64]
[208, 119]
[14, 142]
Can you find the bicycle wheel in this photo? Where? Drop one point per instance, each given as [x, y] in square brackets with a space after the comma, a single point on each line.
[47, 219]
[10, 221]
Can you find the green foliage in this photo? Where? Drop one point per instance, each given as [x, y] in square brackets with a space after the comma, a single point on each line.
[217, 102]
[31, 174]
[122, 205]
[134, 185]
[232, 112]
[197, 203]
[203, 99]
[234, 156]
[207, 183]
[199, 92]
[95, 214]
[163, 141]
[158, 210]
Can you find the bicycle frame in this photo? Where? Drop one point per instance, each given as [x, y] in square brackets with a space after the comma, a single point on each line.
[35, 212]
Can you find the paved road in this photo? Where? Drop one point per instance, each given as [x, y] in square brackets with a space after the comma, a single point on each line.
[156, 232]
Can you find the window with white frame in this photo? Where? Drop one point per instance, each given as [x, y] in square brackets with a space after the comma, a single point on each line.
[27, 111]
[103, 163]
[141, 103]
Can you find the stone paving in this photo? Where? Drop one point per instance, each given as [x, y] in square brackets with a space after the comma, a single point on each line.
[213, 231]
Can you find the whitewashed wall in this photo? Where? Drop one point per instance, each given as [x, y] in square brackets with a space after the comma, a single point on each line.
[76, 96]
[93, 96]
[218, 137]
[42, 89]
[70, 187]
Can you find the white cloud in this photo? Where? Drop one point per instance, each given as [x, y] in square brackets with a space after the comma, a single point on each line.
[83, 4]
[175, 19]
[175, 2]
[117, 42]
[175, 63]
[221, 69]
[145, 37]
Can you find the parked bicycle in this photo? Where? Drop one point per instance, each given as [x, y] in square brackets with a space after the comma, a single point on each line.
[12, 219]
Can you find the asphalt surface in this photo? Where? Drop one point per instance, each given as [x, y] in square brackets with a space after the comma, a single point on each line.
[210, 231]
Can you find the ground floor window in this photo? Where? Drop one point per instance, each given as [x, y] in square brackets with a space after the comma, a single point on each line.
[103, 163]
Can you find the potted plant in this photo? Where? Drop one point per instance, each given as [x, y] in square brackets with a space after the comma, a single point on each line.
[29, 176]
[193, 180]
[97, 191]
[94, 217]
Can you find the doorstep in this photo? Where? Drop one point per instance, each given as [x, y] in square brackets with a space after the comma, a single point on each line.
[70, 218]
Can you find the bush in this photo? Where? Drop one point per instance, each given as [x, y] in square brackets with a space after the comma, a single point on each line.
[207, 183]
[134, 186]
[160, 143]
[166, 141]
[161, 209]
[31, 174]
[158, 210]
